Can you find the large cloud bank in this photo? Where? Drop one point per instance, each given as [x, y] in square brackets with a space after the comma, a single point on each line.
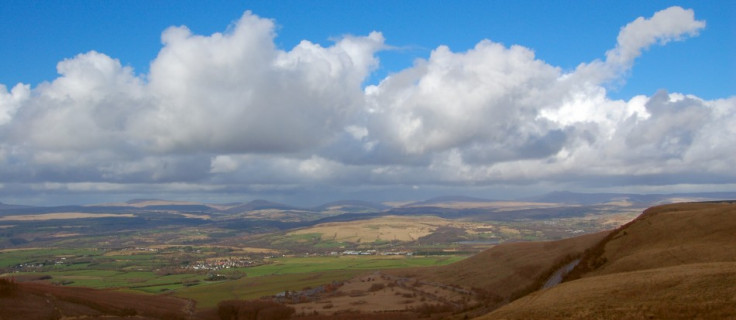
[231, 111]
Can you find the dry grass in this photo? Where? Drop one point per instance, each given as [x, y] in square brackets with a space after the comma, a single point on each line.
[673, 262]
[378, 292]
[43, 301]
[673, 235]
[507, 269]
[64, 215]
[234, 249]
[691, 291]
[20, 249]
[387, 228]
[616, 220]
[486, 280]
[193, 216]
[64, 234]
[495, 205]
[396, 204]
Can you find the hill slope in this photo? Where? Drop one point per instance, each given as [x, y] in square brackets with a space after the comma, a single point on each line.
[673, 262]
[43, 301]
[508, 270]
[667, 235]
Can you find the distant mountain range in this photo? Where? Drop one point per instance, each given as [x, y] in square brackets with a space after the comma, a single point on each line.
[4, 206]
[354, 206]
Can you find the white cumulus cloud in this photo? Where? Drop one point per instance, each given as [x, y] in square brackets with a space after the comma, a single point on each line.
[236, 92]
[233, 112]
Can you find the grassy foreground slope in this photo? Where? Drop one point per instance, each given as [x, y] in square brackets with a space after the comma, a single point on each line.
[673, 262]
[506, 271]
[667, 235]
[43, 301]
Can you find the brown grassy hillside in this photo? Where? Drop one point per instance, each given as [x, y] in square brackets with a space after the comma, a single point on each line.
[673, 262]
[668, 235]
[506, 270]
[44, 301]
[692, 291]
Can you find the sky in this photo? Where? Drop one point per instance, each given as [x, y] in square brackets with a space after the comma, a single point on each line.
[306, 102]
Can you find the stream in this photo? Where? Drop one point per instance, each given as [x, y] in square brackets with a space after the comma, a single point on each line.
[556, 277]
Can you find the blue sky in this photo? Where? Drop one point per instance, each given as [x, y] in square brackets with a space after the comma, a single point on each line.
[38, 34]
[363, 99]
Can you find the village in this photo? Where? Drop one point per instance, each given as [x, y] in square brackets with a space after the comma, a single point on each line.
[224, 263]
[221, 263]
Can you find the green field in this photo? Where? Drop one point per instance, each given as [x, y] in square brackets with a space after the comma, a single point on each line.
[281, 266]
[141, 271]
[10, 258]
[299, 273]
[91, 268]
